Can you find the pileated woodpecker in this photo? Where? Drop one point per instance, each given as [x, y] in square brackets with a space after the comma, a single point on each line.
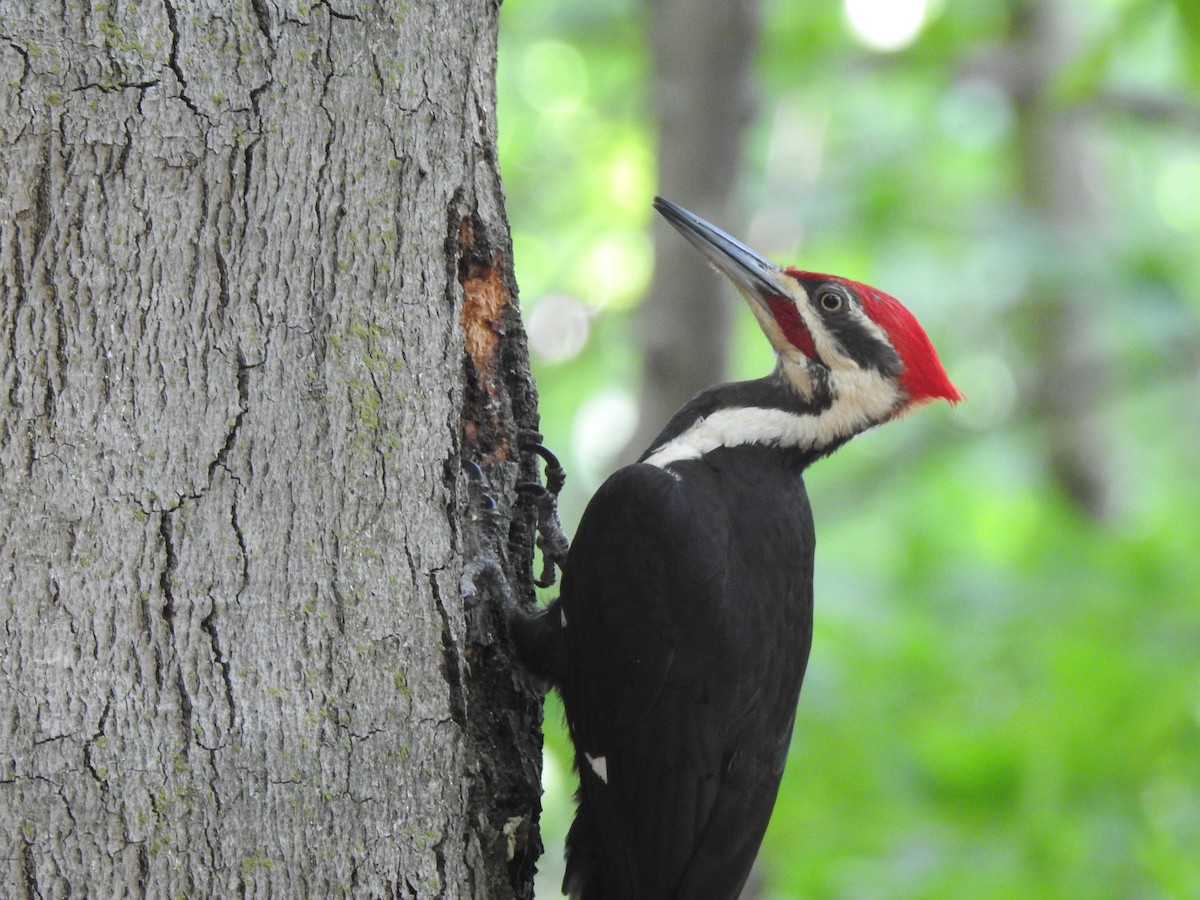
[682, 629]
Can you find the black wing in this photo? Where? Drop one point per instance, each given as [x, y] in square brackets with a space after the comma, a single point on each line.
[688, 621]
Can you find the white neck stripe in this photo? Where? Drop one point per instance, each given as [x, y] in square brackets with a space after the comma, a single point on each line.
[862, 399]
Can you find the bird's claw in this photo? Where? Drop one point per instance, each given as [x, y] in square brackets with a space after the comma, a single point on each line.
[551, 539]
[556, 475]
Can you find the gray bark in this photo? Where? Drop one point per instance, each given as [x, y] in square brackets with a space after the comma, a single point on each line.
[257, 307]
[704, 100]
[1063, 188]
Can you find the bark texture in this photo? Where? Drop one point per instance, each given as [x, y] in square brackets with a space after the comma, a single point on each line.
[257, 308]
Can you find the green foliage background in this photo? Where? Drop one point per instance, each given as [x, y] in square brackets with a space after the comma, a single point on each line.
[1004, 693]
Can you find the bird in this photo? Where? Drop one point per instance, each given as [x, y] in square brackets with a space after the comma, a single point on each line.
[683, 624]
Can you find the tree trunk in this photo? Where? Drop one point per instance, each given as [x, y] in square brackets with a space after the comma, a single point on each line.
[704, 100]
[257, 310]
[1063, 188]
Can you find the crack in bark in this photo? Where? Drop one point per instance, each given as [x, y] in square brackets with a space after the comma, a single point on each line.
[241, 541]
[450, 652]
[90, 745]
[166, 585]
[262, 18]
[143, 863]
[38, 232]
[209, 627]
[322, 173]
[173, 59]
[127, 148]
[339, 607]
[61, 357]
[197, 258]
[19, 87]
[19, 303]
[109, 87]
[439, 858]
[222, 455]
[337, 14]
[223, 293]
[248, 153]
[29, 864]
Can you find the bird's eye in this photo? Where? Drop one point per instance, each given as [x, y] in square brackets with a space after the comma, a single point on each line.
[831, 300]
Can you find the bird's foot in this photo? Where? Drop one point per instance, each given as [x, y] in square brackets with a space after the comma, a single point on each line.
[538, 645]
[551, 539]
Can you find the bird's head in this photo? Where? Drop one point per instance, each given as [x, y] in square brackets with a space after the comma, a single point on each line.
[843, 345]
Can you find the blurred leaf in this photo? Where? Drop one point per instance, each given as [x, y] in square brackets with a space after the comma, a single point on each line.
[1189, 34]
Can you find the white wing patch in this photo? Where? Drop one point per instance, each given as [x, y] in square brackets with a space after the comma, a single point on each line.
[599, 765]
[863, 398]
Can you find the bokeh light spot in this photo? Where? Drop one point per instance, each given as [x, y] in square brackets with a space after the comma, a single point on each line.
[631, 179]
[558, 327]
[989, 390]
[886, 25]
[615, 270]
[1177, 194]
[603, 426]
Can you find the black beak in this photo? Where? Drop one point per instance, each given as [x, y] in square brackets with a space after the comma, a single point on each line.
[754, 276]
